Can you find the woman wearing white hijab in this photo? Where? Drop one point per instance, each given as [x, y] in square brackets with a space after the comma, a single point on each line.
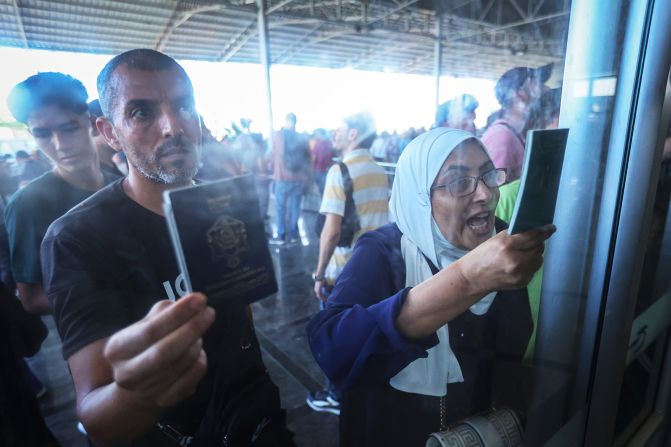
[429, 320]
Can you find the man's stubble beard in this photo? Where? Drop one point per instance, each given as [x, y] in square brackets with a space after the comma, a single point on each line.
[179, 173]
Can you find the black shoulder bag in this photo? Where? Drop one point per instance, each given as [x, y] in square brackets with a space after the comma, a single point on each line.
[350, 222]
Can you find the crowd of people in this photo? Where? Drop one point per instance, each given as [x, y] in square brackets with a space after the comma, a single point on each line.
[425, 314]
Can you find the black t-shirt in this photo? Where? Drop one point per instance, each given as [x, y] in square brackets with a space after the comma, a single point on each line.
[105, 263]
[28, 215]
[111, 170]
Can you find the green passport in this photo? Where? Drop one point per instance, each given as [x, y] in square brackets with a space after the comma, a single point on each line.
[539, 184]
[219, 240]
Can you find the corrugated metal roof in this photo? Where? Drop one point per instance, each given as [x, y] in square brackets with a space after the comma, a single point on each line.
[481, 38]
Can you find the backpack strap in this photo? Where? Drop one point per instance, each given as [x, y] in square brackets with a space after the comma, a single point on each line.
[347, 181]
[350, 206]
[510, 128]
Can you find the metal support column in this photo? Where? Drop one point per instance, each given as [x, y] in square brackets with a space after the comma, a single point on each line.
[264, 49]
[438, 55]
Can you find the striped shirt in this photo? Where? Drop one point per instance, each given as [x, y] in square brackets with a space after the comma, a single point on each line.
[371, 199]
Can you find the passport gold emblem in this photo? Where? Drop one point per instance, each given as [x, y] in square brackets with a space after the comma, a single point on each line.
[227, 238]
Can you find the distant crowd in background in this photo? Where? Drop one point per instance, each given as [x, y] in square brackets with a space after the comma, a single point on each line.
[526, 103]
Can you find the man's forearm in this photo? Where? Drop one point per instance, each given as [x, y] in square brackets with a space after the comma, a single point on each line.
[114, 415]
[33, 298]
[327, 244]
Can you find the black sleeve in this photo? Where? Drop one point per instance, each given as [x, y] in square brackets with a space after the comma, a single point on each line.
[77, 283]
[25, 228]
[26, 331]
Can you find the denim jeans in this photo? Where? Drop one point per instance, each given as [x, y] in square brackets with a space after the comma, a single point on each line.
[329, 386]
[288, 197]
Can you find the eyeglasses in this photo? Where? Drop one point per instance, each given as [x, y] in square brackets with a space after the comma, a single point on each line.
[466, 185]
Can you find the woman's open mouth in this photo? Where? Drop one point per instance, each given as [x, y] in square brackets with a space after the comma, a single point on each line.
[480, 223]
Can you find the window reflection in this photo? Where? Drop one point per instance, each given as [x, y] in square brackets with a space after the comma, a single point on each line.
[653, 311]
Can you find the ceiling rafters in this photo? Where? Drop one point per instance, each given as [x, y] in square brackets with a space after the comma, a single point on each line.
[507, 26]
[170, 26]
[520, 11]
[298, 46]
[386, 34]
[538, 7]
[398, 9]
[19, 23]
[348, 16]
[486, 9]
[280, 5]
[380, 51]
[177, 19]
[238, 42]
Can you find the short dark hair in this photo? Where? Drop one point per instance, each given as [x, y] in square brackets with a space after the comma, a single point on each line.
[513, 80]
[364, 123]
[94, 108]
[140, 59]
[545, 110]
[47, 88]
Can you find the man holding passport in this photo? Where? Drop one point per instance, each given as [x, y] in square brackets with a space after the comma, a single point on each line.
[149, 370]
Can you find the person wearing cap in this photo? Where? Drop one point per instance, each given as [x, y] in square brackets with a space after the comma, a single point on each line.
[458, 113]
[517, 90]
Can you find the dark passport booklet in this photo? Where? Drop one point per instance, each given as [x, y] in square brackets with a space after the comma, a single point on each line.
[541, 173]
[219, 240]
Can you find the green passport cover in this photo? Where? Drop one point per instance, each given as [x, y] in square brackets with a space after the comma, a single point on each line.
[541, 173]
[219, 240]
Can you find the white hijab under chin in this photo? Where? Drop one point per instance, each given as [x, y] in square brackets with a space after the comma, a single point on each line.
[410, 206]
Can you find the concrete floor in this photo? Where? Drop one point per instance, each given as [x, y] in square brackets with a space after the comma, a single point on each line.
[280, 322]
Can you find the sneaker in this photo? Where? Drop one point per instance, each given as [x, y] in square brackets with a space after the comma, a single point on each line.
[322, 400]
[276, 241]
[294, 240]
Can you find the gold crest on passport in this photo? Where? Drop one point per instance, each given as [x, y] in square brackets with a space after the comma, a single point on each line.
[227, 238]
[219, 240]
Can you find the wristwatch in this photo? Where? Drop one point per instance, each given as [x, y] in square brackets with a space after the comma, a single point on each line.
[316, 277]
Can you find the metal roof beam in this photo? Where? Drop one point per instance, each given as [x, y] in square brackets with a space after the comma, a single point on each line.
[178, 18]
[381, 50]
[344, 22]
[519, 10]
[19, 23]
[417, 63]
[399, 8]
[238, 41]
[485, 10]
[508, 26]
[298, 46]
[539, 6]
[281, 4]
[170, 26]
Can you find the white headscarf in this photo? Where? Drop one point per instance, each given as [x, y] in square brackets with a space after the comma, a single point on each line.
[410, 206]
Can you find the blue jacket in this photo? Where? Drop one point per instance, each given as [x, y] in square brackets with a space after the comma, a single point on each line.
[356, 342]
